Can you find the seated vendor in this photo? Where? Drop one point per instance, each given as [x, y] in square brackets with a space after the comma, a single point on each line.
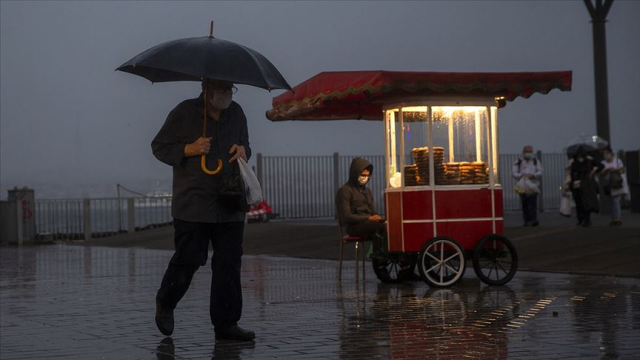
[354, 203]
[356, 210]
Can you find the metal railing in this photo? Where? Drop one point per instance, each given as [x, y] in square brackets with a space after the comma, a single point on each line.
[305, 186]
[100, 217]
[294, 186]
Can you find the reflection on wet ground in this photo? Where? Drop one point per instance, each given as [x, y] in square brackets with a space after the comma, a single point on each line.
[98, 303]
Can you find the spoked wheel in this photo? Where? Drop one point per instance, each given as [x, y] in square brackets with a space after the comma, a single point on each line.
[441, 262]
[495, 260]
[388, 270]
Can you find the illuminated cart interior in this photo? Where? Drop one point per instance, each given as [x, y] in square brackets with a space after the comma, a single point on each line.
[443, 197]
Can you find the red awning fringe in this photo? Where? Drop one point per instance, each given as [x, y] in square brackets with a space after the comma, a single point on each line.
[346, 95]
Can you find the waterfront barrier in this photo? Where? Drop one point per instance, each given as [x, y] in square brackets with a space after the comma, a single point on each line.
[294, 186]
[84, 219]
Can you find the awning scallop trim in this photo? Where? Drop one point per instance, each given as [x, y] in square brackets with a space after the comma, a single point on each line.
[360, 94]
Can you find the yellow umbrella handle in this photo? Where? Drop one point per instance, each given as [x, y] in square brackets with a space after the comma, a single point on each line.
[203, 162]
[203, 165]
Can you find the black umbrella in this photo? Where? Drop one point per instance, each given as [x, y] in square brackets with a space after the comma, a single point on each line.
[588, 144]
[205, 58]
[192, 59]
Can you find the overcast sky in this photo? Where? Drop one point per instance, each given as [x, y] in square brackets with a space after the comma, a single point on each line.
[67, 117]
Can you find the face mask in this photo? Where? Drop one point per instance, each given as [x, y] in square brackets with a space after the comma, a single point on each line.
[528, 156]
[580, 159]
[363, 180]
[221, 101]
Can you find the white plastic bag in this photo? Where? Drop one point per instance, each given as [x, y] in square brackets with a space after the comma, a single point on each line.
[251, 184]
[565, 206]
[526, 186]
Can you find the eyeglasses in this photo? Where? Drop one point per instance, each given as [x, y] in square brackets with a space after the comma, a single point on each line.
[231, 90]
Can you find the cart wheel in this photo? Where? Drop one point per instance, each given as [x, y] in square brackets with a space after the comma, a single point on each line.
[495, 260]
[388, 270]
[441, 262]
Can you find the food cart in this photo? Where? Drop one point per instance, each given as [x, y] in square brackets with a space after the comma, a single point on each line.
[443, 197]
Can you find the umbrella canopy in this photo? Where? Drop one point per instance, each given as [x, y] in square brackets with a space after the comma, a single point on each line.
[588, 143]
[358, 95]
[192, 59]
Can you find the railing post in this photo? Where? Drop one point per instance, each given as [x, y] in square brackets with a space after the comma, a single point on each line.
[259, 167]
[19, 221]
[86, 216]
[131, 216]
[336, 173]
[541, 195]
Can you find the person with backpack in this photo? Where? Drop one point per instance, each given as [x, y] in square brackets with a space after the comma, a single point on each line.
[530, 167]
[614, 183]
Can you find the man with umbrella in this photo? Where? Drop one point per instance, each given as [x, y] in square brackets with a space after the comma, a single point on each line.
[211, 124]
[199, 216]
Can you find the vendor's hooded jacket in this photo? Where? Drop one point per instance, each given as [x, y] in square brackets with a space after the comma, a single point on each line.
[354, 202]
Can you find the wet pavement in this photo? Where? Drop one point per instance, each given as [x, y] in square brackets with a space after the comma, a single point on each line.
[77, 302]
[557, 245]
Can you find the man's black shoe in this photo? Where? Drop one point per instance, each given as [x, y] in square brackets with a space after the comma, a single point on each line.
[164, 319]
[235, 332]
[535, 223]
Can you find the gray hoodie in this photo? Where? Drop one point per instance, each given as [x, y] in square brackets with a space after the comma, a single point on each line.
[354, 202]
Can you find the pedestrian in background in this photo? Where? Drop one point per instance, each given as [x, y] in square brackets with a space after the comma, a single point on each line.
[530, 167]
[614, 182]
[583, 186]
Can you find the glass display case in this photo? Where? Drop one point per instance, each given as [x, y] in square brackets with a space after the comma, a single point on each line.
[441, 144]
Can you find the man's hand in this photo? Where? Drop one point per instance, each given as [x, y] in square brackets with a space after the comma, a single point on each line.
[239, 152]
[531, 176]
[198, 147]
[376, 218]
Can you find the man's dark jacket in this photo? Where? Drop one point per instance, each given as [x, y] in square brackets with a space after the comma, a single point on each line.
[354, 202]
[195, 194]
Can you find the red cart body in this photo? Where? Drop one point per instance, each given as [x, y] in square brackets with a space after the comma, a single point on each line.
[464, 215]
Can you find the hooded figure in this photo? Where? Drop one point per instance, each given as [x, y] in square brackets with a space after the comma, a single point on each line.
[354, 202]
[584, 186]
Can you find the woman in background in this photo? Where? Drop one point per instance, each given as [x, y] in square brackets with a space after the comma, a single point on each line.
[612, 164]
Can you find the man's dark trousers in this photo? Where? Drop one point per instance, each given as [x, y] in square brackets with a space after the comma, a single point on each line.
[191, 241]
[529, 207]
